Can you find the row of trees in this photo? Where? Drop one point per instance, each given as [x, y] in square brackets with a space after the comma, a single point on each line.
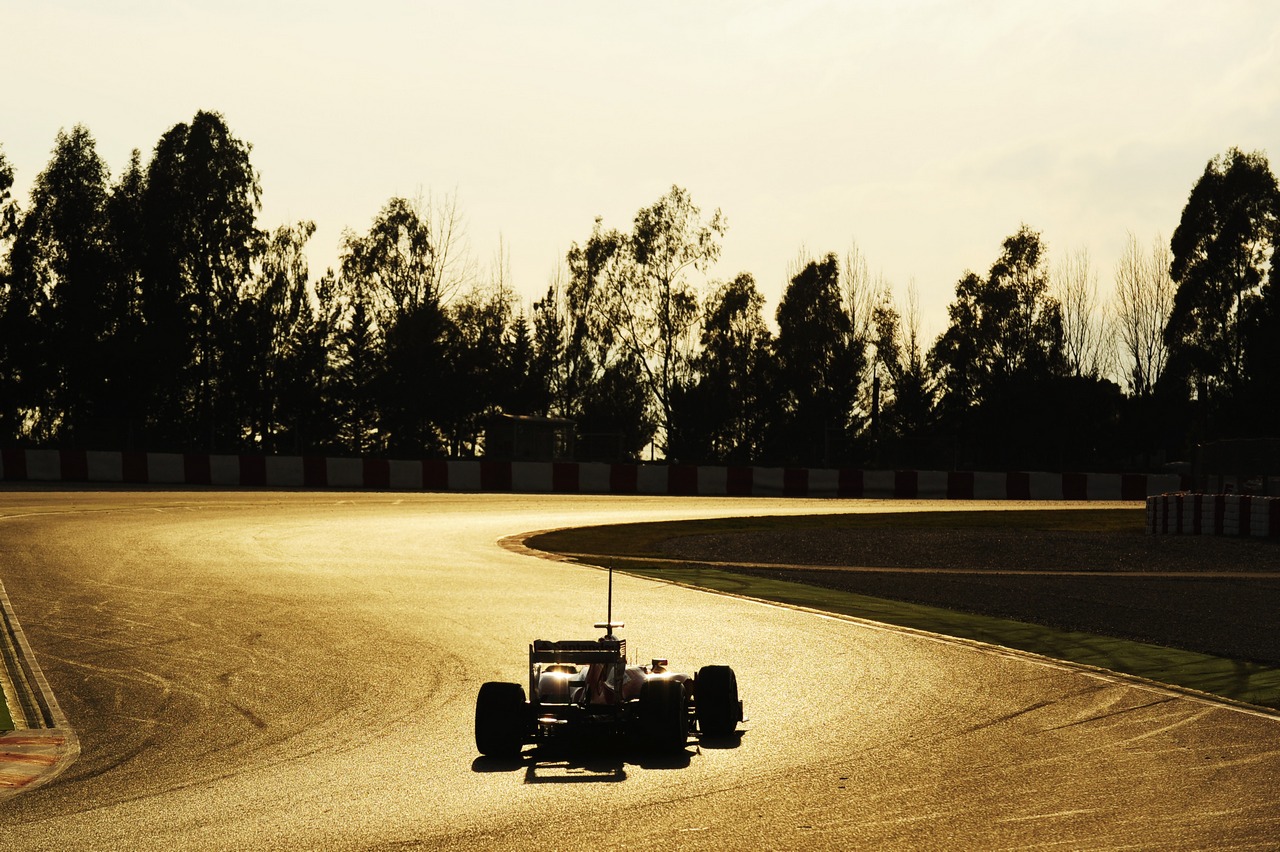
[152, 312]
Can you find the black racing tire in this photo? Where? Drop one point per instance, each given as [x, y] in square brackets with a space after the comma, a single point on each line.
[664, 715]
[716, 701]
[501, 719]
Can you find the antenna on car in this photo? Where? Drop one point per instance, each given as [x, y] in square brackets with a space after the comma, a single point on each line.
[609, 623]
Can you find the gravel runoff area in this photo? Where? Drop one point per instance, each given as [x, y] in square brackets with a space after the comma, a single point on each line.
[1227, 616]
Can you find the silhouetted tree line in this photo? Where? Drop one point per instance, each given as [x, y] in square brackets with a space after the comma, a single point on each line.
[151, 312]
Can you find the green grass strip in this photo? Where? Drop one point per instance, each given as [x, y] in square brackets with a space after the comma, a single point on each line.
[1235, 680]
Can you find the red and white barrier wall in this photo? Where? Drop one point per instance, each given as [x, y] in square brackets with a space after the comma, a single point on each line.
[565, 477]
[1214, 514]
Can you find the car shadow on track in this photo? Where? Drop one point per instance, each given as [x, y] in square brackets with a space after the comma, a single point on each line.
[596, 762]
[721, 743]
[571, 769]
[560, 766]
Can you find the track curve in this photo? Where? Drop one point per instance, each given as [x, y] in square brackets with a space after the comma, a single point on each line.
[272, 670]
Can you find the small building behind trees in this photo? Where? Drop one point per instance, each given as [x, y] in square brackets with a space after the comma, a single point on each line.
[1238, 466]
[511, 437]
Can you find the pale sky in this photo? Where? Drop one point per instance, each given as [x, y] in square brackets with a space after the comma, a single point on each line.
[924, 132]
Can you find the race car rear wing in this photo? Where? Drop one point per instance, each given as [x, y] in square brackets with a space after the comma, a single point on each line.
[604, 650]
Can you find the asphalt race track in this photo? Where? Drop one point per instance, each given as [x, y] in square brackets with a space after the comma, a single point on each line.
[298, 670]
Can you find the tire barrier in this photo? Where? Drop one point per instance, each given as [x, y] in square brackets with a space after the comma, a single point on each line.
[199, 469]
[1214, 514]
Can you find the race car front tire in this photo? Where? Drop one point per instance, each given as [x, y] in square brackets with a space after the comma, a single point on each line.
[716, 701]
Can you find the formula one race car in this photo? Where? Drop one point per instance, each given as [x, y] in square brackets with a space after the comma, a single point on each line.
[581, 685]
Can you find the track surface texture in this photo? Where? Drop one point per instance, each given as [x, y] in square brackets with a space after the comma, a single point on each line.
[298, 670]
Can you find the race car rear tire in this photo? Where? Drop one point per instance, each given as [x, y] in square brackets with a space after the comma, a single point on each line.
[501, 719]
[716, 701]
[664, 716]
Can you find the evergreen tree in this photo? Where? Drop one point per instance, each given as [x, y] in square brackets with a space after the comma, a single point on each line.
[199, 209]
[1228, 233]
[998, 360]
[12, 313]
[275, 317]
[358, 371]
[61, 272]
[820, 364]
[722, 415]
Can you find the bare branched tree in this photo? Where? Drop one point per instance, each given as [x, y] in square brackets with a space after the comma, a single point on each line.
[803, 257]
[862, 293]
[1085, 323]
[905, 397]
[453, 265]
[500, 278]
[1143, 301]
[911, 329]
